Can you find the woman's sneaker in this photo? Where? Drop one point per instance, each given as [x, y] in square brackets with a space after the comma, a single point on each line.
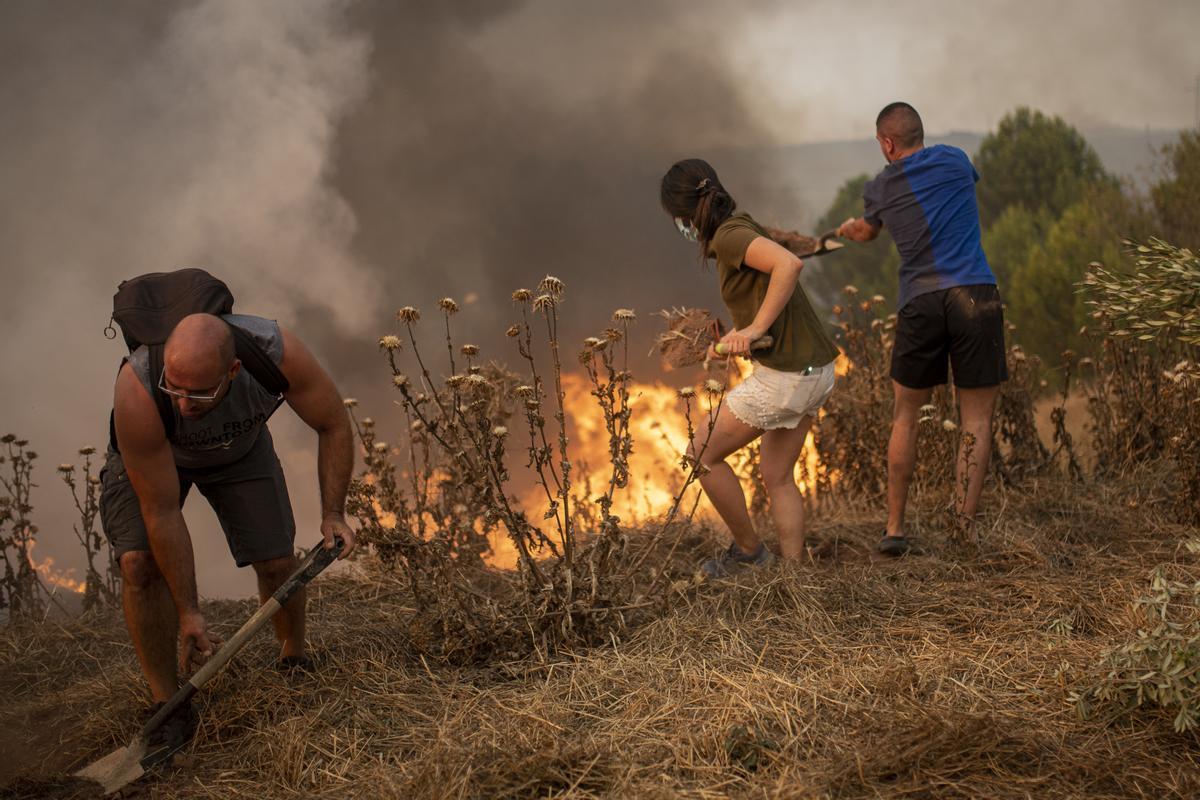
[733, 561]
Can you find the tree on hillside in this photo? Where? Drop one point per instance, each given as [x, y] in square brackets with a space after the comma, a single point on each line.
[1039, 162]
[1011, 238]
[873, 267]
[1042, 298]
[1176, 198]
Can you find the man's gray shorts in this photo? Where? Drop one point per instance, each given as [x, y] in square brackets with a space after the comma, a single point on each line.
[249, 496]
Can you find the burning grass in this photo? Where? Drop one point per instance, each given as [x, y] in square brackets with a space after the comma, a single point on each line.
[942, 675]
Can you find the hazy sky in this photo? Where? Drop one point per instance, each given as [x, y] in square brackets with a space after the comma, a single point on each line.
[335, 160]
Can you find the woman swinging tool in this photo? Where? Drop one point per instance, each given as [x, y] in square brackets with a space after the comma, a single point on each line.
[792, 377]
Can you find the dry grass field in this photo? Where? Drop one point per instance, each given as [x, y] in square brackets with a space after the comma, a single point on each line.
[527, 637]
[940, 675]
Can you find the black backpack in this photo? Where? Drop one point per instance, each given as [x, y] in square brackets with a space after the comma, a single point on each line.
[147, 308]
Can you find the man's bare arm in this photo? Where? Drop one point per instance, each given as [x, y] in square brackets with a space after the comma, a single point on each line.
[858, 229]
[151, 469]
[315, 399]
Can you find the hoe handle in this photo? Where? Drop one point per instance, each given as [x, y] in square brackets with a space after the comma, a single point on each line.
[317, 560]
[761, 343]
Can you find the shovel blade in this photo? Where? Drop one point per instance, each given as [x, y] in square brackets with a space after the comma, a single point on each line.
[119, 768]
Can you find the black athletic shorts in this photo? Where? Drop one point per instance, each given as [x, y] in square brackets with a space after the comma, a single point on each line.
[964, 324]
[249, 496]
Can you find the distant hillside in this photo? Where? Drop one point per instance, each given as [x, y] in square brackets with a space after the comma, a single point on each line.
[794, 184]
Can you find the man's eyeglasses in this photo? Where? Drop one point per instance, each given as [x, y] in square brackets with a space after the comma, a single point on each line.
[202, 398]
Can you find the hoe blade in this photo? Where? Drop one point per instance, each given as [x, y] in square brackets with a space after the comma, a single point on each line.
[119, 768]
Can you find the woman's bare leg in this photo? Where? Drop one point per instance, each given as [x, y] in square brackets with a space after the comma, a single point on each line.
[721, 485]
[780, 450]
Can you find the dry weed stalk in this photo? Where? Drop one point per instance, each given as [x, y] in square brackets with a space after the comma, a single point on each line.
[21, 590]
[852, 436]
[101, 588]
[432, 520]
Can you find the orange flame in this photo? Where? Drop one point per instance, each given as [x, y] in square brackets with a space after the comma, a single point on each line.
[659, 429]
[50, 575]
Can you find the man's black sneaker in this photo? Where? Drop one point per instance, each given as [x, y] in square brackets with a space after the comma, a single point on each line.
[295, 664]
[171, 736]
[894, 545]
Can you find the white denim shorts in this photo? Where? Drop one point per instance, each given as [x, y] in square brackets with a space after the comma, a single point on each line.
[771, 399]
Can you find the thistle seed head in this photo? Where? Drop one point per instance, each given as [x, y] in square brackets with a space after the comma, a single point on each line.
[389, 343]
[624, 315]
[470, 350]
[522, 296]
[713, 386]
[408, 314]
[513, 331]
[551, 285]
[350, 402]
[400, 381]
[448, 305]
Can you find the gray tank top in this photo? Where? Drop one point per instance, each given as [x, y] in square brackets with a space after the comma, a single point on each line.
[226, 433]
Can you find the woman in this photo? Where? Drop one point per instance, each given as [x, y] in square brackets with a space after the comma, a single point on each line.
[759, 282]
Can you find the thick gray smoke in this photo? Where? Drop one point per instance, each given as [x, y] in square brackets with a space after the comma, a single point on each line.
[335, 160]
[332, 162]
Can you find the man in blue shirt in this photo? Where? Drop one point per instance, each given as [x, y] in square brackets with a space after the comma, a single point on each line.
[949, 307]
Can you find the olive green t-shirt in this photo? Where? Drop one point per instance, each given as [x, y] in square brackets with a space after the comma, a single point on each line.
[800, 338]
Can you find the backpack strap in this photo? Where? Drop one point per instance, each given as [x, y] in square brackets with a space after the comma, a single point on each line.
[260, 365]
[256, 360]
[161, 400]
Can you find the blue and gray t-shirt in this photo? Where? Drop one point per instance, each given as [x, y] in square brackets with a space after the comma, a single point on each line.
[927, 203]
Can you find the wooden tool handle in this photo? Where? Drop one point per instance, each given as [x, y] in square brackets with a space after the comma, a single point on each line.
[761, 343]
[313, 564]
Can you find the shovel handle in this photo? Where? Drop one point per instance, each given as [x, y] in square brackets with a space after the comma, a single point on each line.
[761, 343]
[313, 564]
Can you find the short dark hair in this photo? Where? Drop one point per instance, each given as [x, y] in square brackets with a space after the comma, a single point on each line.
[901, 123]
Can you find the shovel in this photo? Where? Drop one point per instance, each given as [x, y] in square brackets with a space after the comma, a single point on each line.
[806, 246]
[124, 766]
[827, 243]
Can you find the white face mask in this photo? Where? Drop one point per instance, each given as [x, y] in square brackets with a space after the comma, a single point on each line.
[687, 231]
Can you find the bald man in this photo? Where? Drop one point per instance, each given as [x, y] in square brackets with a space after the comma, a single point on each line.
[220, 444]
[949, 307]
